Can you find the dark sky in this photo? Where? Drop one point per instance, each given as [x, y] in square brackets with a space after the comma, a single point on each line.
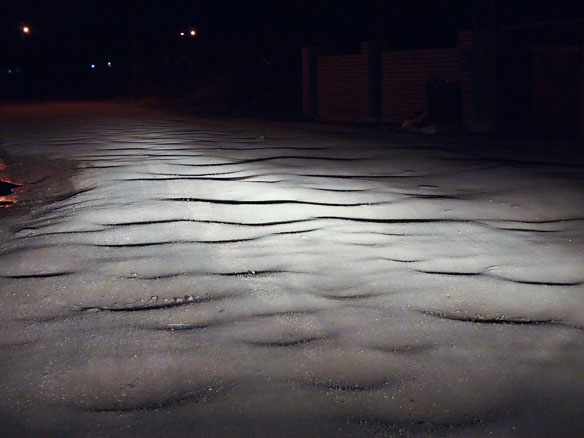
[269, 21]
[271, 28]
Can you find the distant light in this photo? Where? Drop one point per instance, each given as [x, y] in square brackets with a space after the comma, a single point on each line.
[182, 34]
[26, 29]
[109, 64]
[193, 32]
[92, 65]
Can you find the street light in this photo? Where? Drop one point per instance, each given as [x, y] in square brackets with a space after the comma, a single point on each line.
[191, 32]
[24, 30]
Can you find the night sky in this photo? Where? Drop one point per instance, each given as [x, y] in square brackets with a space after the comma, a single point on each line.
[268, 25]
[71, 35]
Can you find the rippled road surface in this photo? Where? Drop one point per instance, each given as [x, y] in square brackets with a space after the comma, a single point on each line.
[163, 276]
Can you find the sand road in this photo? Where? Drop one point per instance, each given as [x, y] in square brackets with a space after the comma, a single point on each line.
[167, 276]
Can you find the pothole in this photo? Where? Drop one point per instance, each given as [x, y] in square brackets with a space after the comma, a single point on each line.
[6, 188]
[26, 181]
[7, 196]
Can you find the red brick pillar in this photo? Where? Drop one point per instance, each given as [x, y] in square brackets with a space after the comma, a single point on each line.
[309, 82]
[372, 52]
[479, 79]
[582, 86]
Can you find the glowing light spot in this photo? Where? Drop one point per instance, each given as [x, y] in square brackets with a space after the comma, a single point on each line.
[109, 64]
[92, 65]
[26, 29]
[182, 34]
[193, 32]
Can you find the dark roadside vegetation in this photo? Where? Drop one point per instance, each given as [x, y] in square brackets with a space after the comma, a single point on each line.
[176, 72]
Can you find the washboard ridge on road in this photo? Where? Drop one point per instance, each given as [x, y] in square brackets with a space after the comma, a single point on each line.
[236, 278]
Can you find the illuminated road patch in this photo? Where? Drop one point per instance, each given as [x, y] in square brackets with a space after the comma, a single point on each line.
[239, 279]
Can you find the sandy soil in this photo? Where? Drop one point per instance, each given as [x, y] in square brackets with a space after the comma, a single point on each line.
[165, 276]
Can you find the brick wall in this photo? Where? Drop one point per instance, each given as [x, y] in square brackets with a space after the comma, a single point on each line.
[404, 79]
[342, 83]
[374, 86]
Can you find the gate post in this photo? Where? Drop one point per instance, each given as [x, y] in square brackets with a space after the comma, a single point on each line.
[309, 82]
[582, 83]
[372, 52]
[479, 79]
